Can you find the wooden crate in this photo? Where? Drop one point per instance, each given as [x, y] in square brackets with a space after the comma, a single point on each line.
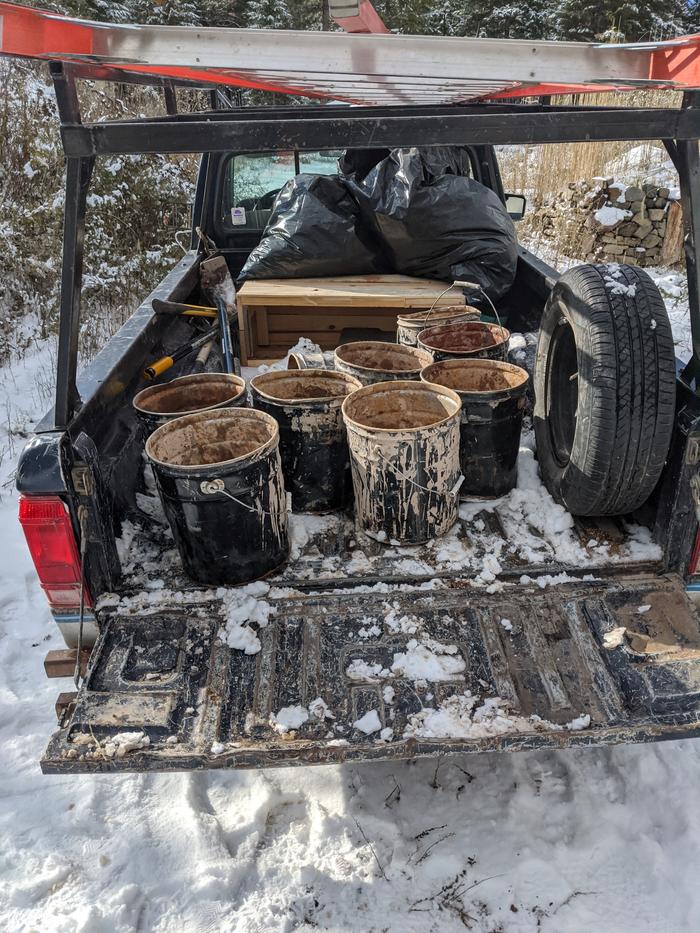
[274, 313]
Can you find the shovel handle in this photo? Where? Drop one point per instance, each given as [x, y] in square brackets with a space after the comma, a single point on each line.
[182, 308]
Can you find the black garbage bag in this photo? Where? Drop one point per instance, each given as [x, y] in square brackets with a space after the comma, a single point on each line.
[435, 221]
[315, 229]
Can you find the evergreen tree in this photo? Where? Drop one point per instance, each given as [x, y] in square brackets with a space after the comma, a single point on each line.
[518, 19]
[268, 14]
[307, 14]
[621, 20]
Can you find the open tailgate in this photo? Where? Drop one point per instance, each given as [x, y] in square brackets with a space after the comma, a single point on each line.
[385, 659]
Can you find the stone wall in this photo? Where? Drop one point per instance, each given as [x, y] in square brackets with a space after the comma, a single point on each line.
[600, 221]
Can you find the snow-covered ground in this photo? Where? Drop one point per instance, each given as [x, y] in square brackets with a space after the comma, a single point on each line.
[604, 839]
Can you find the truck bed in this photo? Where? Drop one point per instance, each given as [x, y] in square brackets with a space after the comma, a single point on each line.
[519, 628]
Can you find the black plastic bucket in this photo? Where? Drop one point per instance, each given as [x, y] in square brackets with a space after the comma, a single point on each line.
[408, 326]
[313, 441]
[373, 361]
[159, 404]
[219, 477]
[404, 451]
[493, 398]
[465, 340]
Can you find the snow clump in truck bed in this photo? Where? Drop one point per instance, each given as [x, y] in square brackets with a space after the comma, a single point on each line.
[242, 607]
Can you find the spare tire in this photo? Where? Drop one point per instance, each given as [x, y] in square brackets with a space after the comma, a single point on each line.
[605, 384]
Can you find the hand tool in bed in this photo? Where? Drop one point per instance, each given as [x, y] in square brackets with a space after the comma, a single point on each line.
[182, 308]
[202, 357]
[217, 283]
[165, 362]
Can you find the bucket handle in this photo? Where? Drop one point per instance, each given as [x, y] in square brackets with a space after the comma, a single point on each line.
[479, 288]
[211, 487]
[432, 307]
[450, 492]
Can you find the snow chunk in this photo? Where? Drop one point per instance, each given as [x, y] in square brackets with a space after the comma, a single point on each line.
[319, 709]
[460, 717]
[395, 623]
[581, 722]
[304, 528]
[241, 608]
[619, 288]
[118, 745]
[429, 660]
[556, 579]
[363, 670]
[368, 723]
[388, 694]
[611, 216]
[643, 609]
[507, 625]
[289, 717]
[490, 569]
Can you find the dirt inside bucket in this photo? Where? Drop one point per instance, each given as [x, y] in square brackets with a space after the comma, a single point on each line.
[401, 409]
[384, 357]
[475, 375]
[202, 442]
[193, 393]
[297, 385]
[465, 337]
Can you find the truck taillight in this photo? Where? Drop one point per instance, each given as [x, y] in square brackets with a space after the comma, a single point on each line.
[694, 566]
[49, 533]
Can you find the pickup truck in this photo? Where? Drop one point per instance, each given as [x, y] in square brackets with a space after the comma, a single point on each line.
[524, 627]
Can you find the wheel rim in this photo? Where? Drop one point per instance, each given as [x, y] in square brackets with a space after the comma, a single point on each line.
[562, 391]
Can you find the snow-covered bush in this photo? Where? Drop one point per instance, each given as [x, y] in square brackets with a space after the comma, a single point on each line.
[129, 232]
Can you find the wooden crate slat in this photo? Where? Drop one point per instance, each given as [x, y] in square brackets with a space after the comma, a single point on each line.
[389, 290]
[287, 320]
[274, 313]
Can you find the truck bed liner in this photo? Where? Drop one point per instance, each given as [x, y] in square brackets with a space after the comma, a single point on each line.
[352, 656]
[470, 650]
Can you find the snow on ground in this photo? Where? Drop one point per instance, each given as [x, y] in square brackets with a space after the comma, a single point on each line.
[500, 843]
[644, 164]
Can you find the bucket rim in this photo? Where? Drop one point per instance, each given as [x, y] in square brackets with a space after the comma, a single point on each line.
[402, 347]
[505, 336]
[180, 380]
[235, 414]
[475, 364]
[306, 374]
[396, 385]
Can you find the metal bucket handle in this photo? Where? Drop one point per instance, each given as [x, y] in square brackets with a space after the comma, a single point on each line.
[477, 287]
[211, 487]
[432, 307]
[474, 285]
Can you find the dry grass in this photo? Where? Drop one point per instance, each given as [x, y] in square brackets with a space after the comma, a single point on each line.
[542, 170]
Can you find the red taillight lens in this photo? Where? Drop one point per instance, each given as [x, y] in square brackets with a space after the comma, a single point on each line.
[49, 533]
[695, 556]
